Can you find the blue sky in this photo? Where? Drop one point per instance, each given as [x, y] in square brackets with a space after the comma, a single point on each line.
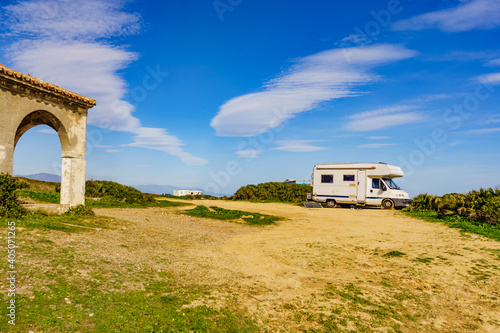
[220, 94]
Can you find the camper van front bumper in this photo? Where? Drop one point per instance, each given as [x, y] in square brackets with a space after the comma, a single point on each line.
[401, 202]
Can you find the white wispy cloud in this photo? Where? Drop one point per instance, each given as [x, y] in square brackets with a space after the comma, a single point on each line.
[492, 78]
[112, 150]
[159, 139]
[321, 77]
[62, 42]
[354, 39]
[47, 131]
[429, 98]
[376, 145]
[382, 118]
[249, 153]
[87, 68]
[460, 55]
[493, 120]
[470, 15]
[493, 62]
[297, 146]
[70, 19]
[378, 137]
[483, 131]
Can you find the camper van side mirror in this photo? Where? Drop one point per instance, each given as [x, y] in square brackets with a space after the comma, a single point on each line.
[384, 188]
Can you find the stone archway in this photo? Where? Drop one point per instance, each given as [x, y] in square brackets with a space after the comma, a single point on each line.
[26, 102]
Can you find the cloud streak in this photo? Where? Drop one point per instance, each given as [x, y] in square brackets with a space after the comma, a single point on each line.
[492, 78]
[483, 131]
[249, 153]
[471, 15]
[297, 146]
[70, 19]
[382, 118]
[62, 42]
[377, 145]
[321, 77]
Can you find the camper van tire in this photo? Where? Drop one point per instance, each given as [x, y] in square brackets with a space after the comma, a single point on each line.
[331, 203]
[387, 204]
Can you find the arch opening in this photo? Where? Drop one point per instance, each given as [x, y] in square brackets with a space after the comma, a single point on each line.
[41, 117]
[38, 151]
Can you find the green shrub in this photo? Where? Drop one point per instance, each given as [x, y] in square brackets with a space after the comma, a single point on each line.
[273, 191]
[113, 190]
[481, 206]
[490, 212]
[424, 202]
[9, 205]
[80, 210]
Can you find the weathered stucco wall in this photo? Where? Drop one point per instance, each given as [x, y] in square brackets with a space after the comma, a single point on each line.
[26, 102]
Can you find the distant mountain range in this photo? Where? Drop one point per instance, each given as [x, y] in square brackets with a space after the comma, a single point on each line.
[155, 189]
[46, 177]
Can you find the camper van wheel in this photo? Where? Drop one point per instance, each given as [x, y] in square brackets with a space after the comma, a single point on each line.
[331, 203]
[387, 204]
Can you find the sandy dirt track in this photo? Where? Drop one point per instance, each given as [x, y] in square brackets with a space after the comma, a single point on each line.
[444, 281]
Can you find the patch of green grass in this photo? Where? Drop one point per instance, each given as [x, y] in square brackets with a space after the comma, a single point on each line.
[50, 197]
[394, 254]
[227, 214]
[483, 270]
[378, 313]
[65, 223]
[459, 222]
[494, 252]
[424, 260]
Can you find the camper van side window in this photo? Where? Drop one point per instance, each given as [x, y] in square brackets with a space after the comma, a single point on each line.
[327, 178]
[376, 183]
[348, 178]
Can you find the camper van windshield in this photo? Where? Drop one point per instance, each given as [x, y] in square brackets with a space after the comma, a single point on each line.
[392, 185]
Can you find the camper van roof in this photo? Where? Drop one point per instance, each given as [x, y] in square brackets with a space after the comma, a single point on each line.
[348, 165]
[373, 169]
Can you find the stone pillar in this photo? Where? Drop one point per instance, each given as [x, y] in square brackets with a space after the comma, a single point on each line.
[73, 181]
[6, 157]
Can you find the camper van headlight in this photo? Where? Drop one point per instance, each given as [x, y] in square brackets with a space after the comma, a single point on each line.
[401, 195]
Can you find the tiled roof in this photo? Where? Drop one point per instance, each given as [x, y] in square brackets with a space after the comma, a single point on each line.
[46, 85]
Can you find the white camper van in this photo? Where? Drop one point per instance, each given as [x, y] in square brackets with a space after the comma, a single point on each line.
[358, 183]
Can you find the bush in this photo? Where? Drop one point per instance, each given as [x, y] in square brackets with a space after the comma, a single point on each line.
[424, 202]
[273, 191]
[481, 206]
[80, 210]
[490, 212]
[112, 190]
[9, 205]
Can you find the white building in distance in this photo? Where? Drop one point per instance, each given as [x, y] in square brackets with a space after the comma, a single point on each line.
[181, 193]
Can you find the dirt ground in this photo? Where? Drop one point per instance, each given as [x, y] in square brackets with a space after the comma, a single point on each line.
[320, 262]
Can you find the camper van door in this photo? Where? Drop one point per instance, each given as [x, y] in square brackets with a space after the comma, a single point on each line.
[361, 192]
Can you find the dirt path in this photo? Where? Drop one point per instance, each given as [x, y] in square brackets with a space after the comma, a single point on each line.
[328, 262]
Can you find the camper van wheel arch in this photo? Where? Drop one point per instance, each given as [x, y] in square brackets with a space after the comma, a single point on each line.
[387, 204]
[330, 203]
